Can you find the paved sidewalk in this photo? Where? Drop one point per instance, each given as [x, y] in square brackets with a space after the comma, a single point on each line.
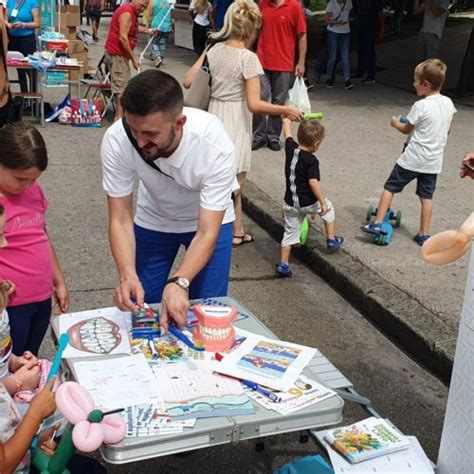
[416, 304]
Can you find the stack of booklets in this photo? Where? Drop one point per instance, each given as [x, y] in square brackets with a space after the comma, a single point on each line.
[366, 439]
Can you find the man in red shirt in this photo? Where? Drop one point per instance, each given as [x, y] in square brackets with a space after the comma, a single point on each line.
[121, 42]
[283, 24]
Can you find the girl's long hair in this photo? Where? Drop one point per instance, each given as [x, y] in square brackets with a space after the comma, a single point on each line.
[242, 20]
[201, 6]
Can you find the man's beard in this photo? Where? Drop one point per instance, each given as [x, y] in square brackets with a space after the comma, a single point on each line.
[159, 152]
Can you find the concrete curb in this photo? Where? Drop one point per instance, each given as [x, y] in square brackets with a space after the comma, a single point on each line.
[401, 317]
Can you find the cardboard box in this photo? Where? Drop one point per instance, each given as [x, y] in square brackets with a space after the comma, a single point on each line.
[67, 8]
[69, 32]
[76, 75]
[67, 19]
[76, 46]
[56, 45]
[81, 57]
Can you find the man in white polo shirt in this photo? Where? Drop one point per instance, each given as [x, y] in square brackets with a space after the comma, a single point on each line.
[185, 165]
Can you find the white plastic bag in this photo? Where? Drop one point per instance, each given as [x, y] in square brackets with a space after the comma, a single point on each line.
[298, 96]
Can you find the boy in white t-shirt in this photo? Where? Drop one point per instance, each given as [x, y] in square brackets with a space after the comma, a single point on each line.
[428, 124]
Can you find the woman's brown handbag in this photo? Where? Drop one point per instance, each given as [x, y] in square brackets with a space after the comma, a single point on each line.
[199, 94]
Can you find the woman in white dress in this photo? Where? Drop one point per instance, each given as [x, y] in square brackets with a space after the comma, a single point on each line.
[235, 91]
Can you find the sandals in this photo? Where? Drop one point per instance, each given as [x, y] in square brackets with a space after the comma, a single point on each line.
[243, 239]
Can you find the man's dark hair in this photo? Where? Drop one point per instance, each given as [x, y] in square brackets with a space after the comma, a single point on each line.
[152, 91]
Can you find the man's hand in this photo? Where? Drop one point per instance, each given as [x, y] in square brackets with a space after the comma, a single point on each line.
[467, 166]
[299, 70]
[174, 306]
[324, 209]
[61, 298]
[130, 288]
[136, 63]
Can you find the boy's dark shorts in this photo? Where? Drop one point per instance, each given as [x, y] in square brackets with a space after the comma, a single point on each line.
[400, 177]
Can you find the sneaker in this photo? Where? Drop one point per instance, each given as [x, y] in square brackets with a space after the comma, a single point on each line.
[368, 80]
[257, 144]
[308, 84]
[283, 270]
[348, 85]
[274, 146]
[334, 244]
[158, 62]
[330, 82]
[372, 228]
[421, 239]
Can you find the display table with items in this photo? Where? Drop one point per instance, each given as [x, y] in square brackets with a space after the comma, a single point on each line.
[225, 379]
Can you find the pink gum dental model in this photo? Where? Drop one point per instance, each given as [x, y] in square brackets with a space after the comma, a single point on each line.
[215, 331]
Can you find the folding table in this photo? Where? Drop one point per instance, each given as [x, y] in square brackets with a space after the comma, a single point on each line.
[224, 430]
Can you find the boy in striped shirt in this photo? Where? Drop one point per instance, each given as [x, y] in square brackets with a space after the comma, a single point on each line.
[304, 194]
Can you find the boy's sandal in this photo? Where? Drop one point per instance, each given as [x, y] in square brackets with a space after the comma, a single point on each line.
[421, 239]
[242, 239]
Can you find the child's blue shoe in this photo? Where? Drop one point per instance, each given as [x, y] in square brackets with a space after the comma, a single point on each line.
[334, 244]
[421, 239]
[372, 228]
[283, 270]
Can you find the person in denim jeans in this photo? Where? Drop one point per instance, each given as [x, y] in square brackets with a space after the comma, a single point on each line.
[338, 38]
[160, 22]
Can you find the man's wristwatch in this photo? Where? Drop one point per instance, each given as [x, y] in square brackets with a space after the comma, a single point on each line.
[180, 281]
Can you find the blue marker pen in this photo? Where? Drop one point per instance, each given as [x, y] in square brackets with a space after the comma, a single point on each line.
[263, 391]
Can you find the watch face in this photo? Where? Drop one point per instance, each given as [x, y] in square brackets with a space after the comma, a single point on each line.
[183, 282]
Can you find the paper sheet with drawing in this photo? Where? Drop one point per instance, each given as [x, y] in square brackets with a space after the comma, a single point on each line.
[97, 332]
[273, 363]
[119, 382]
[182, 382]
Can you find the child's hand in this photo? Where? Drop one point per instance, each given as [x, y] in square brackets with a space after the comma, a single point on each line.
[61, 297]
[324, 209]
[285, 119]
[45, 443]
[27, 359]
[44, 404]
[28, 376]
[12, 287]
[395, 120]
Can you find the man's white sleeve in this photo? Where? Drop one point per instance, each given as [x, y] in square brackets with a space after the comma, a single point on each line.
[118, 174]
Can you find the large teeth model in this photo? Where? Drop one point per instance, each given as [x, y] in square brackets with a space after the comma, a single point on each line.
[97, 336]
[215, 329]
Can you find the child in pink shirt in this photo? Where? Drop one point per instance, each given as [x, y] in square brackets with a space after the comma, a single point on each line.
[29, 260]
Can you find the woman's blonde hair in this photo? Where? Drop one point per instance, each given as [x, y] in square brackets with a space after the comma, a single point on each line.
[201, 6]
[4, 290]
[242, 19]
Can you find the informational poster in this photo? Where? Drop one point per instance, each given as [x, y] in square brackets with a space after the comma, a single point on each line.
[48, 14]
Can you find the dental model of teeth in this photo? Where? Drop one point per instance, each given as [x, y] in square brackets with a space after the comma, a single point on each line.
[97, 335]
[215, 331]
